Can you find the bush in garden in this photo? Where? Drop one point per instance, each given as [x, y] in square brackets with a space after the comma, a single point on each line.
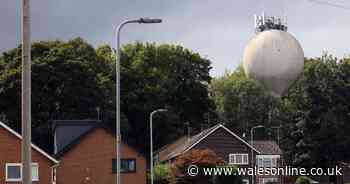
[303, 180]
[161, 174]
[201, 158]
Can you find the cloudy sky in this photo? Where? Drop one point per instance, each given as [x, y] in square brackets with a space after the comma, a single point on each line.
[217, 29]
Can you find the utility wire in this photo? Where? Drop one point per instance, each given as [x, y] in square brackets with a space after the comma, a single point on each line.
[330, 4]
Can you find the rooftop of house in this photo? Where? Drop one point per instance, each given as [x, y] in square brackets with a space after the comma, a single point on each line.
[180, 145]
[69, 133]
[185, 143]
[267, 147]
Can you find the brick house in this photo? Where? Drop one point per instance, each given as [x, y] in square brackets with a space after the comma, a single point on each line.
[43, 167]
[86, 150]
[227, 145]
[270, 156]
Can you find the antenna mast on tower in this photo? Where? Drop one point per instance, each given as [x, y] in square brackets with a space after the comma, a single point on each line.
[263, 23]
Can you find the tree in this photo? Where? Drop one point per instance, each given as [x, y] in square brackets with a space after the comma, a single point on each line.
[243, 103]
[66, 83]
[164, 76]
[200, 158]
[71, 79]
[320, 135]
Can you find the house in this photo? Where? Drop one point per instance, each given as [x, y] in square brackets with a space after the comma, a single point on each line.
[43, 165]
[227, 145]
[270, 156]
[87, 152]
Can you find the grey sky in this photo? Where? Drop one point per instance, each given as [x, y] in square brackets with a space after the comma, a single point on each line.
[217, 29]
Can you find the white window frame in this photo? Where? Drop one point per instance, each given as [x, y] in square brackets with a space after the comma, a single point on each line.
[34, 165]
[233, 156]
[6, 172]
[261, 158]
[265, 180]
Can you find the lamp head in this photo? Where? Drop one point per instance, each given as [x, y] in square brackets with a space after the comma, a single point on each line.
[162, 110]
[149, 21]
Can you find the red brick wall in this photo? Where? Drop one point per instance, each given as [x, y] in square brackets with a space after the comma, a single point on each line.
[10, 152]
[90, 161]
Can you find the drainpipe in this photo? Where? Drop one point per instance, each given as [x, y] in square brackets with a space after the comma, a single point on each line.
[54, 173]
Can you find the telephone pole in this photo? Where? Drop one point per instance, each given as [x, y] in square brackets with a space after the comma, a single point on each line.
[26, 94]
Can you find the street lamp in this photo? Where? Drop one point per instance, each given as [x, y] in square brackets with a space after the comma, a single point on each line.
[251, 142]
[117, 64]
[151, 135]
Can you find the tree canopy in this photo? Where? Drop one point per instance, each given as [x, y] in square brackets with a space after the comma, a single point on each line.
[70, 80]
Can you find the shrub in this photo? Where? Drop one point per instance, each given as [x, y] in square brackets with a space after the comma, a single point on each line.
[201, 158]
[303, 180]
[161, 174]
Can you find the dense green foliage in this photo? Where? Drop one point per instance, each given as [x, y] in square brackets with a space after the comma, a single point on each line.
[313, 114]
[161, 174]
[303, 180]
[242, 103]
[66, 79]
[321, 134]
[71, 79]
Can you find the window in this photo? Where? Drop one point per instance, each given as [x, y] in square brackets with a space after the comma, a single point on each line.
[267, 161]
[35, 172]
[126, 165]
[269, 180]
[14, 172]
[239, 159]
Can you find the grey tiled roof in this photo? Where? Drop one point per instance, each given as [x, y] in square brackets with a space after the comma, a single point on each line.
[184, 143]
[267, 147]
[172, 150]
[70, 132]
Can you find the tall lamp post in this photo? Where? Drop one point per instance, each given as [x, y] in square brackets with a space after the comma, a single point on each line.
[151, 137]
[26, 94]
[251, 141]
[118, 51]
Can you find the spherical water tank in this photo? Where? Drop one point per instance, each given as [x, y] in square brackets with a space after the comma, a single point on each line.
[275, 59]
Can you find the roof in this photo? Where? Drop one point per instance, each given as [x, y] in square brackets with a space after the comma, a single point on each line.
[267, 147]
[183, 144]
[68, 133]
[32, 145]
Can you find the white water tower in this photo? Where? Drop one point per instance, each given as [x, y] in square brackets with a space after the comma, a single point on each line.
[273, 56]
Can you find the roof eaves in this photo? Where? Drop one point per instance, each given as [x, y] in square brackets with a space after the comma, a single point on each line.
[32, 145]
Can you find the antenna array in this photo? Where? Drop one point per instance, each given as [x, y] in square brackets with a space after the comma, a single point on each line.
[263, 23]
